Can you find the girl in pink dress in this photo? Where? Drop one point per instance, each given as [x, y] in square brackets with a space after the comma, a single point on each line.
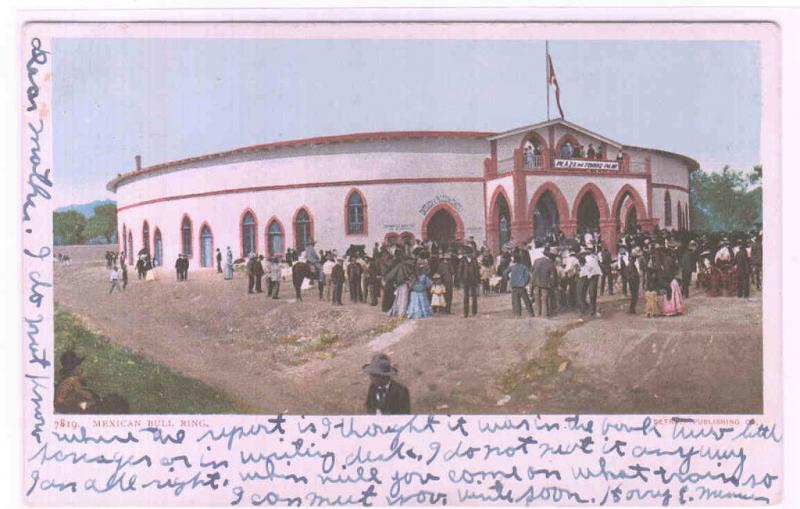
[674, 305]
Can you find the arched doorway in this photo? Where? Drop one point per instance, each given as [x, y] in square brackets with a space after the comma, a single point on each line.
[545, 216]
[130, 247]
[588, 215]
[158, 247]
[206, 247]
[442, 227]
[628, 210]
[501, 217]
[146, 237]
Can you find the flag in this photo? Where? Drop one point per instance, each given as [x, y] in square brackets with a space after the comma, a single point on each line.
[551, 80]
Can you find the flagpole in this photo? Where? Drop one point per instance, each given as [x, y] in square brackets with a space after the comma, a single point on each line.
[547, 75]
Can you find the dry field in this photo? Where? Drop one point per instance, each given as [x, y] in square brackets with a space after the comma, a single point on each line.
[306, 358]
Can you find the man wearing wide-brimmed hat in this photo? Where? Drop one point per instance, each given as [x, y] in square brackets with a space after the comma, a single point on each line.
[385, 396]
[72, 397]
[470, 277]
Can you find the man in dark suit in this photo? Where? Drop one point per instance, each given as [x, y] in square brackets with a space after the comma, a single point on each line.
[632, 272]
[354, 279]
[219, 261]
[300, 271]
[544, 275]
[470, 275]
[337, 280]
[385, 396]
[742, 263]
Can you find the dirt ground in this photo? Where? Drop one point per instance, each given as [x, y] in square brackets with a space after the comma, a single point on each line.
[306, 357]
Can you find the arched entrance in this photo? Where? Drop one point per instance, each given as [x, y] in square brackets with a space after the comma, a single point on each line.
[628, 210]
[441, 227]
[588, 215]
[545, 216]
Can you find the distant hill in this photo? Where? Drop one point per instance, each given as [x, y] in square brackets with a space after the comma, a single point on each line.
[87, 209]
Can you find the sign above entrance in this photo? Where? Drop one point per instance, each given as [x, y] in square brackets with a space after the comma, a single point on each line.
[442, 198]
[585, 164]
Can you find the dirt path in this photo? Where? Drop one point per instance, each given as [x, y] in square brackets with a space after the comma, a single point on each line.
[306, 357]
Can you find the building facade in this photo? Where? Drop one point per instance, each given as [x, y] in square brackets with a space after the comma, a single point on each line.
[377, 187]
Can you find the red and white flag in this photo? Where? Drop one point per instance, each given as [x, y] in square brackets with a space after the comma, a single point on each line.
[551, 80]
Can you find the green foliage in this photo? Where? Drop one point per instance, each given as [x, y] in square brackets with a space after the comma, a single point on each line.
[726, 200]
[148, 387]
[103, 223]
[69, 227]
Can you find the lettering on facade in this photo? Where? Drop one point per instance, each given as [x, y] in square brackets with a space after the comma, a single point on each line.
[442, 198]
[580, 164]
[398, 227]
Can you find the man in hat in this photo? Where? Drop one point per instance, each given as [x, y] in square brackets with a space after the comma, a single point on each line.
[275, 276]
[742, 263]
[71, 396]
[179, 267]
[300, 271]
[219, 261]
[591, 273]
[519, 275]
[544, 276]
[688, 264]
[354, 279]
[385, 396]
[337, 281]
[251, 272]
[633, 278]
[470, 276]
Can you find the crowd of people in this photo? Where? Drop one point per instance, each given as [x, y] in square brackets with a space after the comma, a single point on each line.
[544, 276]
[555, 274]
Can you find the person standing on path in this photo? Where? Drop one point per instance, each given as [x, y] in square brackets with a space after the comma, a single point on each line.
[742, 263]
[544, 276]
[124, 276]
[337, 281]
[179, 267]
[228, 264]
[632, 269]
[114, 278]
[219, 261]
[518, 275]
[275, 277]
[470, 277]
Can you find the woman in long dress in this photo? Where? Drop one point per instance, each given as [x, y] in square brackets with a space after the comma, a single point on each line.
[674, 304]
[228, 264]
[419, 306]
[400, 300]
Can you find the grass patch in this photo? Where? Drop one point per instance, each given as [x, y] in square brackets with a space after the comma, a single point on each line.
[542, 368]
[148, 387]
[387, 326]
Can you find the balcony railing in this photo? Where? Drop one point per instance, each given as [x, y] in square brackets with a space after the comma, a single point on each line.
[532, 162]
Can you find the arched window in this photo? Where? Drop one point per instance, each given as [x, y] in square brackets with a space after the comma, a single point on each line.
[302, 230]
[680, 216]
[356, 214]
[146, 236]
[248, 234]
[158, 248]
[206, 247]
[186, 236]
[567, 150]
[124, 241]
[667, 209]
[130, 247]
[275, 238]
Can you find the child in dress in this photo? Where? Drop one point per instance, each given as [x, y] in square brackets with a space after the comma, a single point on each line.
[437, 295]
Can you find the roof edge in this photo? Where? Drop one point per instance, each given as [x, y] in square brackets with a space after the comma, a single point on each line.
[318, 140]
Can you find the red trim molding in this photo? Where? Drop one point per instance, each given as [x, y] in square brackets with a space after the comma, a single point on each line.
[365, 230]
[599, 198]
[558, 197]
[671, 186]
[309, 185]
[452, 212]
[641, 210]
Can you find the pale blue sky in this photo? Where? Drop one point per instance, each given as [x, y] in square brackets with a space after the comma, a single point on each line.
[175, 98]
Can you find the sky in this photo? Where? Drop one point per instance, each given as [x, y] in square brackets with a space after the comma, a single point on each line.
[168, 99]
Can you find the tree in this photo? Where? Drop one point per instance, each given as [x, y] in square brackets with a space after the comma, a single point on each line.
[103, 223]
[68, 227]
[726, 200]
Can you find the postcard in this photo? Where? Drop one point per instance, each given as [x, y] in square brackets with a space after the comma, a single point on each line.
[378, 263]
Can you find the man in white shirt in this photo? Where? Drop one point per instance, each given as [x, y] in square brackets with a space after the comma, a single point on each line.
[591, 271]
[327, 269]
[114, 278]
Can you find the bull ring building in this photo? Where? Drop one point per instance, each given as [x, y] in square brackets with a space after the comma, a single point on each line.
[372, 187]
